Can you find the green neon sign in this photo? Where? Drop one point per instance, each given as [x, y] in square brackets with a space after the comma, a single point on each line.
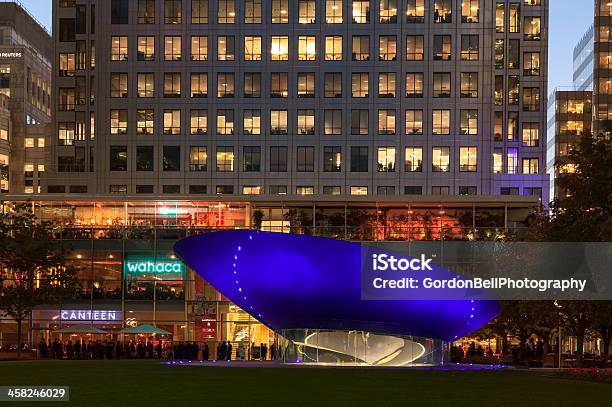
[153, 266]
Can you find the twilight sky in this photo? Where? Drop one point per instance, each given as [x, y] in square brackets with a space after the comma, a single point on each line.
[568, 22]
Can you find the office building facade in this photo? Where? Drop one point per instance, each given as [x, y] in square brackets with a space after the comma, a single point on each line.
[602, 76]
[238, 97]
[25, 93]
[570, 115]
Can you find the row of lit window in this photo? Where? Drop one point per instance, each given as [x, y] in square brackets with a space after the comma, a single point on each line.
[386, 158]
[360, 11]
[302, 190]
[442, 48]
[441, 86]
[68, 132]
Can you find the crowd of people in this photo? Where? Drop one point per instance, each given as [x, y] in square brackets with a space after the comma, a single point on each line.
[149, 348]
[459, 355]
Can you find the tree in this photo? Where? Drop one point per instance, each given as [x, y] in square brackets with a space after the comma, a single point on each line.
[32, 266]
[582, 213]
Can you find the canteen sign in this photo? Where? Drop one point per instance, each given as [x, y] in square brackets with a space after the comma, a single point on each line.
[90, 315]
[153, 266]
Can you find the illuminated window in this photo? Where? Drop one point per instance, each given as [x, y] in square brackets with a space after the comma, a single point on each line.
[500, 20]
[226, 12]
[498, 161]
[469, 48]
[280, 11]
[280, 48]
[199, 85]
[199, 11]
[225, 122]
[532, 28]
[531, 134]
[414, 85]
[225, 159]
[305, 122]
[361, 12]
[251, 190]
[361, 48]
[119, 85]
[307, 11]
[173, 13]
[387, 11]
[386, 159]
[333, 121]
[252, 48]
[278, 123]
[531, 99]
[306, 85]
[144, 121]
[225, 48]
[515, 17]
[332, 159]
[279, 85]
[198, 157]
[304, 190]
[414, 159]
[360, 85]
[199, 48]
[119, 48]
[146, 85]
[146, 48]
[441, 85]
[146, 11]
[118, 121]
[442, 49]
[387, 85]
[512, 159]
[66, 65]
[251, 122]
[225, 85]
[333, 48]
[469, 84]
[172, 48]
[307, 49]
[333, 11]
[470, 11]
[172, 122]
[172, 85]
[443, 11]
[530, 165]
[252, 12]
[440, 157]
[468, 159]
[359, 190]
[386, 122]
[414, 48]
[415, 11]
[198, 122]
[28, 142]
[387, 46]
[414, 122]
[441, 122]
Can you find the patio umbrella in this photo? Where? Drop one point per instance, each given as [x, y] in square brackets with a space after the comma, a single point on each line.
[80, 329]
[145, 329]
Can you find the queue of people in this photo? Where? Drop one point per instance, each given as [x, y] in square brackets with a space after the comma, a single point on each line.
[149, 348]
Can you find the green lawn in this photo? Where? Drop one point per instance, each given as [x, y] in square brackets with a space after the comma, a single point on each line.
[135, 383]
